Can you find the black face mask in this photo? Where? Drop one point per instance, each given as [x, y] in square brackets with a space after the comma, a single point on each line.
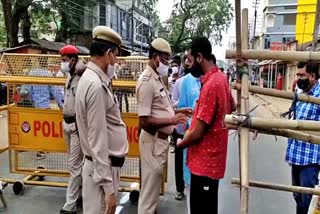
[196, 70]
[303, 84]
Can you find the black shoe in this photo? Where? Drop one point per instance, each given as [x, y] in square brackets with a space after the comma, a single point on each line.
[179, 196]
[62, 211]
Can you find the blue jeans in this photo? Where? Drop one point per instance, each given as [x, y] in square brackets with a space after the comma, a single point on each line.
[305, 176]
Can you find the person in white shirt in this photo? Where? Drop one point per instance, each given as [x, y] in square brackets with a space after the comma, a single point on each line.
[172, 80]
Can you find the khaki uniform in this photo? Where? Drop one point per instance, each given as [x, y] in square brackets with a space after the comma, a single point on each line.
[72, 139]
[153, 100]
[102, 135]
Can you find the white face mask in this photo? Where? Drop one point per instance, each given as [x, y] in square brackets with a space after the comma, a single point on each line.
[111, 73]
[64, 67]
[163, 69]
[111, 69]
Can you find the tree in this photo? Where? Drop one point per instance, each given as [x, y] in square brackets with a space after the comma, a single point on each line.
[192, 18]
[3, 33]
[14, 12]
[42, 16]
[67, 15]
[152, 16]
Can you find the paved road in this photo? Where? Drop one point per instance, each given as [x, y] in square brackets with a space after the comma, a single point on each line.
[266, 164]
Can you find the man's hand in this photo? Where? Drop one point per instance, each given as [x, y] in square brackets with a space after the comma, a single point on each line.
[111, 204]
[186, 111]
[179, 142]
[179, 118]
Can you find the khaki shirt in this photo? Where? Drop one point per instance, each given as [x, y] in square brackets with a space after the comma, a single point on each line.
[153, 98]
[70, 94]
[101, 130]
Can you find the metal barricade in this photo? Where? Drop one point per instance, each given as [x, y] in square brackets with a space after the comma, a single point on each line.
[36, 143]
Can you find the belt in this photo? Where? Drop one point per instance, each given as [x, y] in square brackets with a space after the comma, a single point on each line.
[69, 119]
[115, 161]
[158, 134]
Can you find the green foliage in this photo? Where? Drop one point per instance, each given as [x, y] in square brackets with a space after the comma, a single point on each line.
[67, 12]
[42, 15]
[3, 32]
[153, 17]
[192, 18]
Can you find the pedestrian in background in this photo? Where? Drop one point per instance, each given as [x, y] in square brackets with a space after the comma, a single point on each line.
[172, 80]
[207, 137]
[102, 133]
[179, 131]
[40, 95]
[189, 94]
[157, 121]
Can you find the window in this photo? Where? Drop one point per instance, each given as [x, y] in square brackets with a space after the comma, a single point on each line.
[289, 19]
[270, 20]
[286, 40]
[102, 19]
[267, 43]
[88, 17]
[114, 19]
[293, 7]
[124, 22]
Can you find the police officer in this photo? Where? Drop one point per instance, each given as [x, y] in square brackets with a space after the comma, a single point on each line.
[103, 135]
[157, 121]
[73, 69]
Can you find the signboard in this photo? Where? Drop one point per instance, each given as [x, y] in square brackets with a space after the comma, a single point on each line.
[36, 130]
[132, 122]
[42, 130]
[277, 46]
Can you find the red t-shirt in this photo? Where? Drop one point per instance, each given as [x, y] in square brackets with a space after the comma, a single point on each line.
[208, 156]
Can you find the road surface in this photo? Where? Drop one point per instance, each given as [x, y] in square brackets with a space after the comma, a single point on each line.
[266, 164]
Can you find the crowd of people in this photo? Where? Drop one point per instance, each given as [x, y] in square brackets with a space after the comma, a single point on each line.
[190, 108]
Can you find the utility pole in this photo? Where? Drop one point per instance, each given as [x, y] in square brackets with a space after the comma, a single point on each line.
[132, 27]
[255, 24]
[316, 27]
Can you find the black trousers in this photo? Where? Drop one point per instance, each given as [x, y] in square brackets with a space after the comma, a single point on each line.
[203, 195]
[178, 161]
[305, 176]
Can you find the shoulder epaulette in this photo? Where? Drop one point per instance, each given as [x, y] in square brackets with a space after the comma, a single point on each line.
[145, 76]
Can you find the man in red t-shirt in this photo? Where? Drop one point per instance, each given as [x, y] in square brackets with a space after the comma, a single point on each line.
[207, 137]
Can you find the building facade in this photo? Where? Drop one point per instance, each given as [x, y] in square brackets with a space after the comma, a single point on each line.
[123, 16]
[279, 24]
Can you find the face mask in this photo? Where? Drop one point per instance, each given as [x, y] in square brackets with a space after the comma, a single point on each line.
[111, 68]
[163, 69]
[303, 84]
[64, 67]
[111, 71]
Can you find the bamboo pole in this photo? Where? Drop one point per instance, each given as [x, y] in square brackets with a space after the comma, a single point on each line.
[244, 132]
[299, 135]
[286, 188]
[301, 56]
[281, 94]
[268, 123]
[238, 52]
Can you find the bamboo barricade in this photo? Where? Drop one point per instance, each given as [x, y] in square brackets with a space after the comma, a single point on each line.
[244, 132]
[302, 56]
[268, 123]
[281, 126]
[303, 135]
[277, 93]
[285, 188]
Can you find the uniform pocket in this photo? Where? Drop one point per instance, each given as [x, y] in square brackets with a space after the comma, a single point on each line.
[160, 149]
